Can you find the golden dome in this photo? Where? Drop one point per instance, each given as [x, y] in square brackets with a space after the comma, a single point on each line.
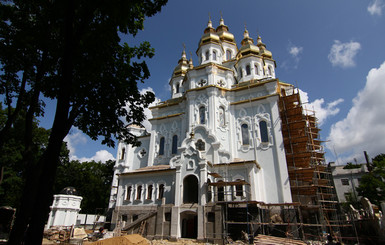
[209, 35]
[182, 67]
[248, 46]
[262, 48]
[223, 32]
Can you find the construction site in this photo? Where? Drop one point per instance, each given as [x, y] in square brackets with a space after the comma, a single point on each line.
[313, 214]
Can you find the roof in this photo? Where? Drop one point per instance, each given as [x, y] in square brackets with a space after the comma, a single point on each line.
[150, 169]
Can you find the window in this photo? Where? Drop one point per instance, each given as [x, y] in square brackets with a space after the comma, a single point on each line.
[128, 193]
[241, 73]
[245, 134]
[200, 145]
[123, 153]
[345, 181]
[214, 55]
[161, 146]
[207, 55]
[228, 54]
[174, 149]
[270, 71]
[202, 115]
[139, 193]
[161, 191]
[263, 132]
[167, 216]
[177, 88]
[248, 72]
[210, 217]
[239, 189]
[256, 70]
[149, 192]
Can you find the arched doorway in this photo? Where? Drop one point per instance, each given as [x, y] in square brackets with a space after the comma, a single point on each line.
[189, 224]
[190, 189]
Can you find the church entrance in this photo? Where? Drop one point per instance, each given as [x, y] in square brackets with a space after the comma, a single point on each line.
[190, 189]
[189, 224]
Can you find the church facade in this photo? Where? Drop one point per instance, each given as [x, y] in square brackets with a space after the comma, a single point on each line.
[217, 140]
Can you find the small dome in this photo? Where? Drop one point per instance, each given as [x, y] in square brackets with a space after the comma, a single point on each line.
[69, 191]
[248, 46]
[182, 67]
[262, 48]
[209, 35]
[223, 32]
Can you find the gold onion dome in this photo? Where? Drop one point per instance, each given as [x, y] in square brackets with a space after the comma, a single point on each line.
[223, 32]
[262, 48]
[209, 35]
[248, 46]
[182, 67]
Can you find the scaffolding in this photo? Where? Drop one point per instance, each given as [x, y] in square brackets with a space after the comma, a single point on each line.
[310, 179]
[313, 211]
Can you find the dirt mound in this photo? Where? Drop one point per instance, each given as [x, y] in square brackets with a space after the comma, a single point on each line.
[133, 239]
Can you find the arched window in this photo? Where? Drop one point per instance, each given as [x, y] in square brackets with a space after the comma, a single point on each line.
[123, 153]
[174, 149]
[202, 115]
[139, 193]
[241, 72]
[207, 55]
[270, 70]
[128, 193]
[190, 189]
[214, 55]
[161, 191]
[248, 72]
[200, 145]
[263, 131]
[149, 192]
[256, 69]
[245, 134]
[239, 189]
[177, 88]
[222, 119]
[161, 146]
[228, 54]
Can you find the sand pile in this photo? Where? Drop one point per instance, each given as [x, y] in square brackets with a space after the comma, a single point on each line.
[133, 239]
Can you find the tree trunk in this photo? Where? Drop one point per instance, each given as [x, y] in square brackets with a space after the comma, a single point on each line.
[31, 217]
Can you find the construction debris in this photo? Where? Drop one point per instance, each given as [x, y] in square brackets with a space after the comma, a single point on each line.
[133, 239]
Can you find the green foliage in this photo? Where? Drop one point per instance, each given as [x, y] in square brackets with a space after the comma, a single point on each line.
[11, 157]
[350, 165]
[372, 184]
[70, 51]
[92, 180]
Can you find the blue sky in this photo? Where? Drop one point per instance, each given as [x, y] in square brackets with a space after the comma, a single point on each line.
[334, 51]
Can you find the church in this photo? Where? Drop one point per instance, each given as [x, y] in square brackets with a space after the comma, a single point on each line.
[218, 140]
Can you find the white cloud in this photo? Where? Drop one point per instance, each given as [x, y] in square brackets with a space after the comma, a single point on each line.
[342, 54]
[363, 129]
[295, 51]
[375, 7]
[321, 112]
[101, 156]
[146, 123]
[76, 139]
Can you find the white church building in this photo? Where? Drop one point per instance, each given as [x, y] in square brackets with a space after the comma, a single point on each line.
[217, 139]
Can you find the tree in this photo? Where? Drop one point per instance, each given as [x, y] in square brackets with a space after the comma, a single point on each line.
[70, 51]
[92, 180]
[372, 184]
[11, 156]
